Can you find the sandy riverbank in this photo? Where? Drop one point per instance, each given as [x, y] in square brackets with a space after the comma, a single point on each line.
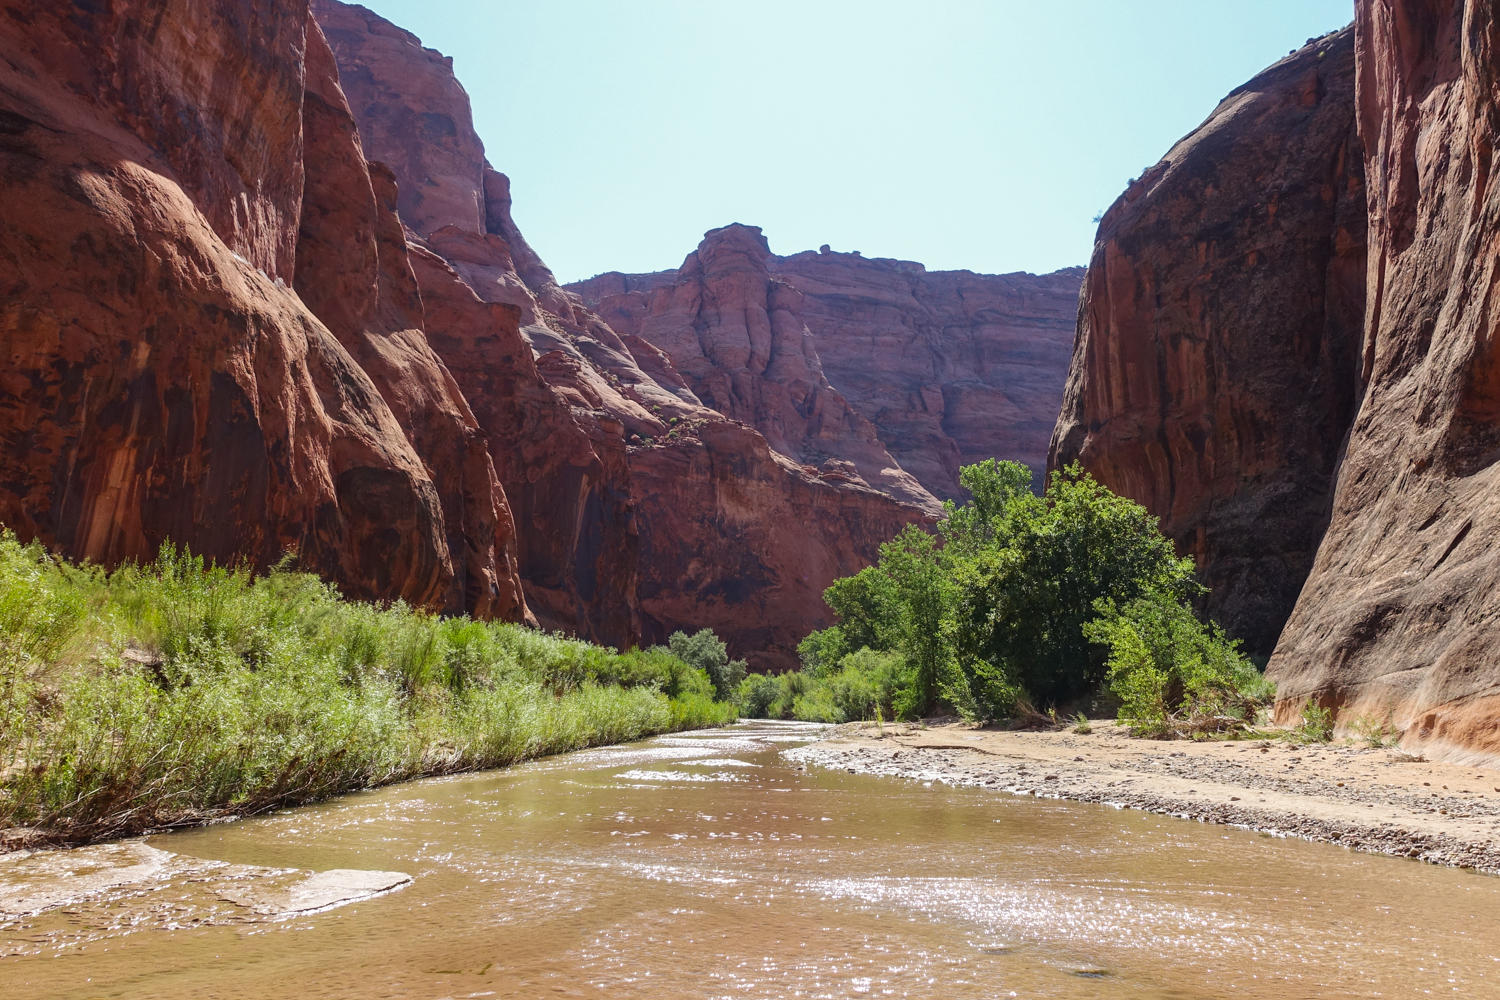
[1361, 798]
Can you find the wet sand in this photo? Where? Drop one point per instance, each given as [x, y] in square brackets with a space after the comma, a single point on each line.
[1366, 799]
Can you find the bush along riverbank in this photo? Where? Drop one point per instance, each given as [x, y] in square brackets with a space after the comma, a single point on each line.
[1066, 600]
[175, 693]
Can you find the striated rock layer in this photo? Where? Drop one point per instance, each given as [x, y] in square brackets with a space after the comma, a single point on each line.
[1400, 611]
[1216, 368]
[173, 171]
[877, 370]
[640, 507]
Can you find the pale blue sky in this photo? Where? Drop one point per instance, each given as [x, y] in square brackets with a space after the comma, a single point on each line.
[963, 134]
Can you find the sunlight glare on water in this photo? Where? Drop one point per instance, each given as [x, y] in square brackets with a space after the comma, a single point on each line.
[710, 865]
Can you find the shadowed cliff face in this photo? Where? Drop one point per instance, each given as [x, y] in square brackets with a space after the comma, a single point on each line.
[1400, 610]
[877, 370]
[166, 382]
[640, 508]
[1216, 368]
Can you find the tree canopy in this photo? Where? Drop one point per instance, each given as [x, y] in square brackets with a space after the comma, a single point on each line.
[1017, 596]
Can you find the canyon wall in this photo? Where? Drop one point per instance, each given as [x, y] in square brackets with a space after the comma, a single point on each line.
[164, 198]
[1216, 369]
[875, 369]
[1287, 350]
[1399, 613]
[264, 294]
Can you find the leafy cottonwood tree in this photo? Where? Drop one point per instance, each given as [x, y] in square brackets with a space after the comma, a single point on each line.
[1021, 595]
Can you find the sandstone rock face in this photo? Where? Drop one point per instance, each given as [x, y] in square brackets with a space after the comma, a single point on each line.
[876, 370]
[1216, 369]
[736, 538]
[164, 380]
[414, 116]
[737, 334]
[353, 272]
[1399, 613]
[639, 509]
[564, 476]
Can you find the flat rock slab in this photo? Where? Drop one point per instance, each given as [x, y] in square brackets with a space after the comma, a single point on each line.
[318, 891]
[33, 883]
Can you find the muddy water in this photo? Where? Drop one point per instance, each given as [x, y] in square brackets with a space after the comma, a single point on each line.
[710, 866]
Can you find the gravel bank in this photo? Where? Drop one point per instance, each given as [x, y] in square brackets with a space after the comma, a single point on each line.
[1364, 799]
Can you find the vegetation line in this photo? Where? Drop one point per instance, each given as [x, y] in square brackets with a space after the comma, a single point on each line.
[179, 692]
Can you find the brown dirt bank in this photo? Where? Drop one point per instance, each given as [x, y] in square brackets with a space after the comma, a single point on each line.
[1364, 799]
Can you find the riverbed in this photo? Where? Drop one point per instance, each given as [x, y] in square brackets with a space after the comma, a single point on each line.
[712, 865]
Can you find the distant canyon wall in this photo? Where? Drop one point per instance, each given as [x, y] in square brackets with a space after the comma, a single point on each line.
[868, 367]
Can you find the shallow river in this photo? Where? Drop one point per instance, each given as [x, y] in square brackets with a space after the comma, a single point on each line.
[710, 865]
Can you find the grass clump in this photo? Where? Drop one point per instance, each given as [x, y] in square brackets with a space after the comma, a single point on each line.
[164, 695]
[1377, 731]
[1315, 725]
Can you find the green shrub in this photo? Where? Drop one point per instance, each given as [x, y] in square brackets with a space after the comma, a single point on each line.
[1165, 664]
[863, 685]
[821, 651]
[1315, 725]
[1377, 731]
[756, 695]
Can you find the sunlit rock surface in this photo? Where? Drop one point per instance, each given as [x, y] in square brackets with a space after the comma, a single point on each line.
[174, 173]
[1399, 612]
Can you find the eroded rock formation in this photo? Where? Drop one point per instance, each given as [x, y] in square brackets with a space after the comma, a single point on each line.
[1400, 611]
[164, 380]
[1221, 378]
[1216, 369]
[873, 369]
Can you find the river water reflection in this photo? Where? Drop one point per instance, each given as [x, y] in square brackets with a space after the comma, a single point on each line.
[708, 865]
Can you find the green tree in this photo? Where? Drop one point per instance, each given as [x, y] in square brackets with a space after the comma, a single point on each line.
[1026, 596]
[996, 489]
[1019, 595]
[919, 616]
[704, 651]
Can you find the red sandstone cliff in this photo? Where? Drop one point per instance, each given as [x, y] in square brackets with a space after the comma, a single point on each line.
[1216, 368]
[640, 510]
[164, 195]
[1220, 375]
[1399, 612]
[870, 368]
